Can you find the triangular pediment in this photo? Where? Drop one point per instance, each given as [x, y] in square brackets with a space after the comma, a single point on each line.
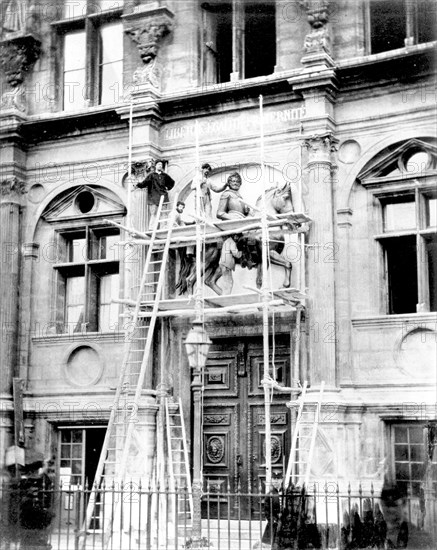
[392, 161]
[68, 205]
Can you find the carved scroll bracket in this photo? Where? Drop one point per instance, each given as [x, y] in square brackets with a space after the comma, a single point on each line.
[17, 56]
[318, 40]
[147, 28]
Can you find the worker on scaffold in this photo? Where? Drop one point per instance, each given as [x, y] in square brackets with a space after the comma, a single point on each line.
[158, 183]
[231, 207]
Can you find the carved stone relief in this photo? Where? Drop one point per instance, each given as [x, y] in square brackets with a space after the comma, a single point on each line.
[215, 449]
[318, 17]
[11, 187]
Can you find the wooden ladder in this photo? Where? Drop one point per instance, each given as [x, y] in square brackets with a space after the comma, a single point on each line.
[304, 439]
[120, 434]
[178, 460]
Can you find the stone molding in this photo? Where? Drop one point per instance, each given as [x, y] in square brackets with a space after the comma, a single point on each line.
[12, 187]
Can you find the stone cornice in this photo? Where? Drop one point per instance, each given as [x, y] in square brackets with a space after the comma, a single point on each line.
[400, 320]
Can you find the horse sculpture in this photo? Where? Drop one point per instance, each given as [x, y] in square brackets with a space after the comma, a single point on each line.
[278, 200]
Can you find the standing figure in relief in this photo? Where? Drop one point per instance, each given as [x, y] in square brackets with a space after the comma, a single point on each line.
[206, 186]
[158, 183]
[231, 207]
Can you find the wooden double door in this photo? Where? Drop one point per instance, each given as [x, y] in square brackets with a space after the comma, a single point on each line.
[234, 418]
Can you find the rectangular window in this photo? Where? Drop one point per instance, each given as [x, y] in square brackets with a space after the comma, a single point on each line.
[111, 63]
[88, 279]
[410, 249]
[238, 40]
[80, 450]
[414, 460]
[74, 80]
[91, 35]
[398, 23]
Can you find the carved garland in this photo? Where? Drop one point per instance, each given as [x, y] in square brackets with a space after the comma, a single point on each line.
[318, 12]
[17, 56]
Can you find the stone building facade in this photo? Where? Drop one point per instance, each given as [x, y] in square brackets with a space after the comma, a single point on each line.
[349, 120]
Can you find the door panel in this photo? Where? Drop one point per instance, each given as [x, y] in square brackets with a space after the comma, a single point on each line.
[234, 419]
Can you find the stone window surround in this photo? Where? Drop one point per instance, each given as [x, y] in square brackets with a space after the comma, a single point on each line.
[90, 23]
[395, 186]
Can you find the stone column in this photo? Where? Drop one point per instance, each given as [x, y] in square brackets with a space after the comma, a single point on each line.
[321, 260]
[11, 190]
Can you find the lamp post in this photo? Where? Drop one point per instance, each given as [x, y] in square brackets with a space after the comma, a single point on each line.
[197, 345]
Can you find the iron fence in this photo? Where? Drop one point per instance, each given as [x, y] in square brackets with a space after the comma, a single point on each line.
[134, 517]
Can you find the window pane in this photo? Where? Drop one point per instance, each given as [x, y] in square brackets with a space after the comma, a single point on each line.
[401, 434]
[431, 212]
[402, 470]
[426, 21]
[77, 250]
[108, 312]
[401, 274]
[111, 77]
[387, 24]
[399, 216]
[401, 452]
[112, 42]
[109, 248]
[416, 435]
[74, 51]
[74, 8]
[75, 300]
[112, 83]
[74, 90]
[417, 453]
[431, 251]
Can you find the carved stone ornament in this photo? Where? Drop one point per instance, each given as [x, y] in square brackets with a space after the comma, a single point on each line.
[149, 74]
[17, 56]
[317, 12]
[12, 186]
[318, 17]
[148, 33]
[320, 147]
[215, 449]
[13, 99]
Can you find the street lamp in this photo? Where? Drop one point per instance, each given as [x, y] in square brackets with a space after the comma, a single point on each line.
[197, 344]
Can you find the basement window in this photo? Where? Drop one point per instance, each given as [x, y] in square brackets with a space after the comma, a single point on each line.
[238, 40]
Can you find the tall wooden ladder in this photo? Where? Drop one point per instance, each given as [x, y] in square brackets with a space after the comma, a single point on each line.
[120, 434]
[304, 439]
[178, 461]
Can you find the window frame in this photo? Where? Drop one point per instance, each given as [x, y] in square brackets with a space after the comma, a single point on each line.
[405, 423]
[91, 23]
[419, 191]
[412, 34]
[90, 268]
[238, 45]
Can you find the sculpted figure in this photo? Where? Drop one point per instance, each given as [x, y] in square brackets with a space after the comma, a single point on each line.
[206, 186]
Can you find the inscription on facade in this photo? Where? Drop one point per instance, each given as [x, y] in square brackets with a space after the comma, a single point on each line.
[232, 125]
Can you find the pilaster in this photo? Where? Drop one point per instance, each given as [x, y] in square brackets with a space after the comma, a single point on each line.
[321, 259]
[11, 191]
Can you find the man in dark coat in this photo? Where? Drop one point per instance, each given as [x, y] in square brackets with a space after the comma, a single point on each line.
[158, 183]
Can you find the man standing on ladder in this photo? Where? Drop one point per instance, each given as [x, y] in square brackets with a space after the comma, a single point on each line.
[158, 183]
